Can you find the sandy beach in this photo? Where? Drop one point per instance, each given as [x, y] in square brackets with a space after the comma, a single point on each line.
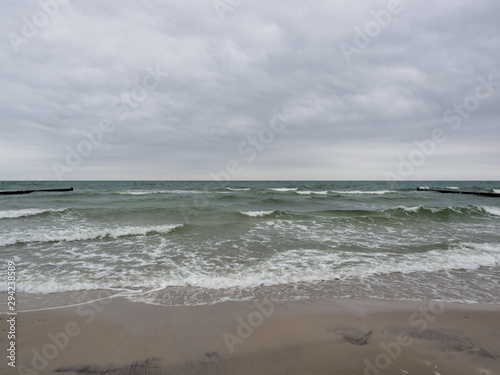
[115, 336]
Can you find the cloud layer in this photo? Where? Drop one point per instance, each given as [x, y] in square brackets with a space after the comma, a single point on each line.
[279, 90]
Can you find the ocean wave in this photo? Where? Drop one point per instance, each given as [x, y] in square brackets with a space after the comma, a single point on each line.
[13, 214]
[460, 210]
[418, 208]
[436, 210]
[308, 192]
[496, 191]
[238, 189]
[495, 211]
[86, 234]
[142, 192]
[376, 192]
[148, 192]
[288, 267]
[173, 192]
[284, 189]
[257, 213]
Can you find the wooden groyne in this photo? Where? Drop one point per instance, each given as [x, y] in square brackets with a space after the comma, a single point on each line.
[18, 192]
[444, 191]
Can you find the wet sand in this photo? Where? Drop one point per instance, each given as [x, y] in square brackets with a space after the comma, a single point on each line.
[369, 337]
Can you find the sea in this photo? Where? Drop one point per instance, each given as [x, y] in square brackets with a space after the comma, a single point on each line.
[202, 242]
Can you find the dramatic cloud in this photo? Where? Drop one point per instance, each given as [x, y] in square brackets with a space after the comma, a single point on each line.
[249, 89]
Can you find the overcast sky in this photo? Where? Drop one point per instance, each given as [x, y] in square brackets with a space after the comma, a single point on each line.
[252, 89]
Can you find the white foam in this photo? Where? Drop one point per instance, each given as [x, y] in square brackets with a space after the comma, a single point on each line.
[148, 192]
[410, 209]
[452, 188]
[193, 191]
[240, 189]
[497, 191]
[308, 192]
[492, 210]
[470, 209]
[292, 266]
[423, 208]
[468, 256]
[257, 213]
[144, 192]
[12, 214]
[377, 192]
[85, 234]
[313, 265]
[284, 189]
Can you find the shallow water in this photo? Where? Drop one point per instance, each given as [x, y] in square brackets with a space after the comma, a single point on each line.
[203, 242]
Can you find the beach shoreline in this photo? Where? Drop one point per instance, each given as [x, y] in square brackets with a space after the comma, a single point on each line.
[314, 337]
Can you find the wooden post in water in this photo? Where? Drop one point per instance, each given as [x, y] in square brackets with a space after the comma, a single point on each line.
[18, 192]
[444, 191]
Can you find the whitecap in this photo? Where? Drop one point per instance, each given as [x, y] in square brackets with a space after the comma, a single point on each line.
[377, 192]
[257, 213]
[12, 214]
[495, 211]
[308, 192]
[86, 234]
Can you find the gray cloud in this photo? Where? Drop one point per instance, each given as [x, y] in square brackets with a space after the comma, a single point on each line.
[227, 80]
